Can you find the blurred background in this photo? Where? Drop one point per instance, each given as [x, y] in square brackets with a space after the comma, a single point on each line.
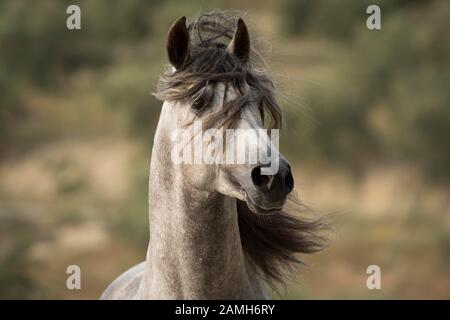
[368, 133]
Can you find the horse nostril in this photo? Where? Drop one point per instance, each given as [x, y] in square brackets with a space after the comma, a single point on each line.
[258, 179]
[289, 181]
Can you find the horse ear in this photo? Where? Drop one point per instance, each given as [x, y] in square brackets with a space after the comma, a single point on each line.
[240, 44]
[177, 45]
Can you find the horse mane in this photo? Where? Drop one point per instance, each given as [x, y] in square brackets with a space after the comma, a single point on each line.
[271, 243]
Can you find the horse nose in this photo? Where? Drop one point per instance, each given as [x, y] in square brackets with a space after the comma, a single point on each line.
[288, 180]
[278, 185]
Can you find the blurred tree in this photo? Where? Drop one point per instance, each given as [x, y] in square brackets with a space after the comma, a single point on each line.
[36, 45]
[15, 281]
[401, 72]
[38, 51]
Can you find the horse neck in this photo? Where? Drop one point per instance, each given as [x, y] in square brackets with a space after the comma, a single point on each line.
[195, 250]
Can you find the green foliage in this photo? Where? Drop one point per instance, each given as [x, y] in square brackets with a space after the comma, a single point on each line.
[15, 281]
[36, 45]
[333, 18]
[37, 50]
[387, 98]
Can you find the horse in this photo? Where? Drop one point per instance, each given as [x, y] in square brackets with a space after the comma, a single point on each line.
[220, 230]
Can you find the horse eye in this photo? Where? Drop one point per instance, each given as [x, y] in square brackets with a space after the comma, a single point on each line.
[198, 104]
[203, 98]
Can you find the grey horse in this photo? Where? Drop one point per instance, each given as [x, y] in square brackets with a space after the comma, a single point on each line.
[217, 231]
